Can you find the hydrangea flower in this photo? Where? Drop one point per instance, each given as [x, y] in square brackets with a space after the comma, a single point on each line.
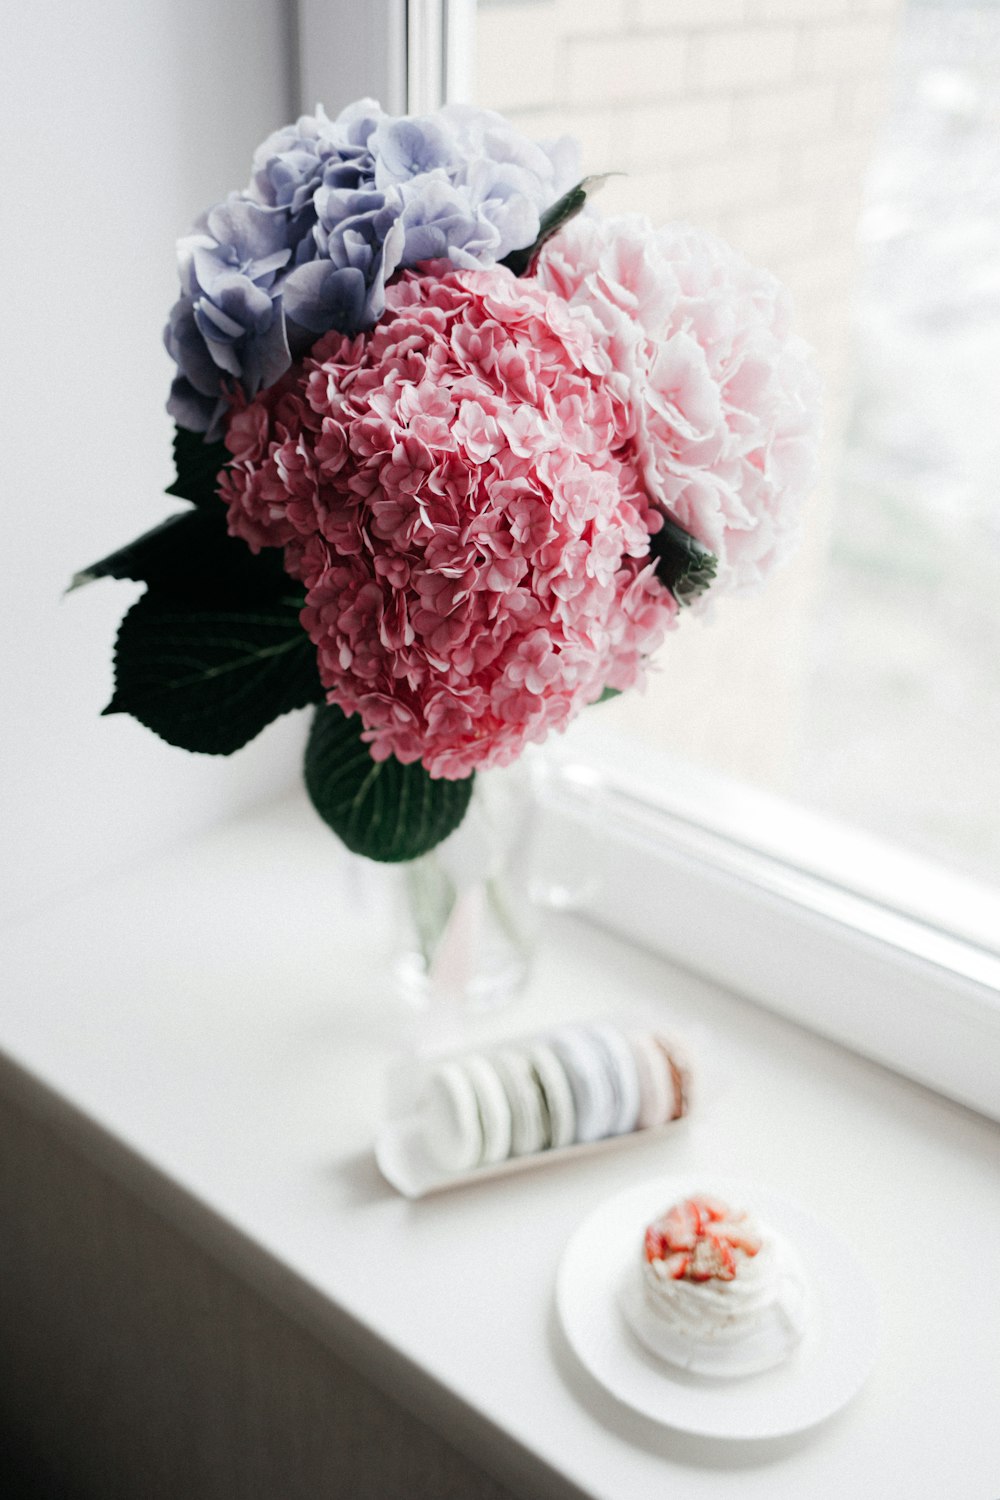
[227, 325]
[725, 396]
[333, 209]
[290, 165]
[456, 492]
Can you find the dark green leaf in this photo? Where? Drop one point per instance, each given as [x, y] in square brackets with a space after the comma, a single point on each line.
[381, 809]
[192, 556]
[608, 694]
[683, 564]
[210, 679]
[565, 208]
[198, 464]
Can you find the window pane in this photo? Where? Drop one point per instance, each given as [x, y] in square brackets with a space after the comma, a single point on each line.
[857, 158]
[902, 707]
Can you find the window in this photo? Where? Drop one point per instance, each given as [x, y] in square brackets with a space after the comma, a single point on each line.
[786, 713]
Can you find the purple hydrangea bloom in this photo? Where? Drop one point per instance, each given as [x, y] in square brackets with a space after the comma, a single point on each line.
[227, 325]
[290, 165]
[332, 210]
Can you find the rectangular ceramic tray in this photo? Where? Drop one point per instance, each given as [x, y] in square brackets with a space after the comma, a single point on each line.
[403, 1161]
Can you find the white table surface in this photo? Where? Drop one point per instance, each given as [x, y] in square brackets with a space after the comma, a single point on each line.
[223, 1014]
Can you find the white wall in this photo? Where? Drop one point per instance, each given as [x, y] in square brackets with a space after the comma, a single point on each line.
[120, 123]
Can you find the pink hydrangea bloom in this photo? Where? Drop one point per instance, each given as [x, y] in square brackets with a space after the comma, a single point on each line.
[457, 491]
[726, 397]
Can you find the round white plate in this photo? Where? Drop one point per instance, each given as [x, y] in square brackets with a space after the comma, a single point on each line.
[820, 1376]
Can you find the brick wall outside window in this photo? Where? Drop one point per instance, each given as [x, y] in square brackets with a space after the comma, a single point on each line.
[755, 119]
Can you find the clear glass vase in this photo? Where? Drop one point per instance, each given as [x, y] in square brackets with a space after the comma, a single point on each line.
[466, 922]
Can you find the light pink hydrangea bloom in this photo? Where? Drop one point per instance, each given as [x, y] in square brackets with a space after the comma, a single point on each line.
[726, 397]
[456, 490]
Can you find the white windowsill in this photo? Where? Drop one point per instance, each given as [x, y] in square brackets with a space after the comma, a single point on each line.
[222, 1019]
[889, 954]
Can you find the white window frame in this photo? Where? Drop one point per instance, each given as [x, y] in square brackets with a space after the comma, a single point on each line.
[412, 55]
[881, 952]
[796, 912]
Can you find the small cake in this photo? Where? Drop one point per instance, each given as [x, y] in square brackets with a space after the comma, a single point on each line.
[586, 1065]
[716, 1291]
[663, 1079]
[465, 1115]
[529, 1131]
[558, 1111]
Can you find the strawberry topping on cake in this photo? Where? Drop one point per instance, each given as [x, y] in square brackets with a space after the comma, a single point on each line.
[698, 1240]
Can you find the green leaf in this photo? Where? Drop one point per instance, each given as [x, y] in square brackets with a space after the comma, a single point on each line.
[565, 208]
[381, 809]
[683, 564]
[198, 464]
[608, 694]
[210, 679]
[192, 556]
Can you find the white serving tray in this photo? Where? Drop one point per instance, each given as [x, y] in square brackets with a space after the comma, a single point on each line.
[399, 1150]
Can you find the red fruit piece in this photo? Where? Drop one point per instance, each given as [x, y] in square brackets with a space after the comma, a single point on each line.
[741, 1236]
[656, 1244]
[712, 1259]
[697, 1239]
[681, 1226]
[712, 1209]
[677, 1265]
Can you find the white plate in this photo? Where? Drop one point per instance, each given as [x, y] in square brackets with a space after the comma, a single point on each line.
[820, 1376]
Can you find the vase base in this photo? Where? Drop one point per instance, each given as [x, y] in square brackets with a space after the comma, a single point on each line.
[484, 991]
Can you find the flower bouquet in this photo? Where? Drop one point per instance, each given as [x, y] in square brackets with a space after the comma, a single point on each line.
[457, 454]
